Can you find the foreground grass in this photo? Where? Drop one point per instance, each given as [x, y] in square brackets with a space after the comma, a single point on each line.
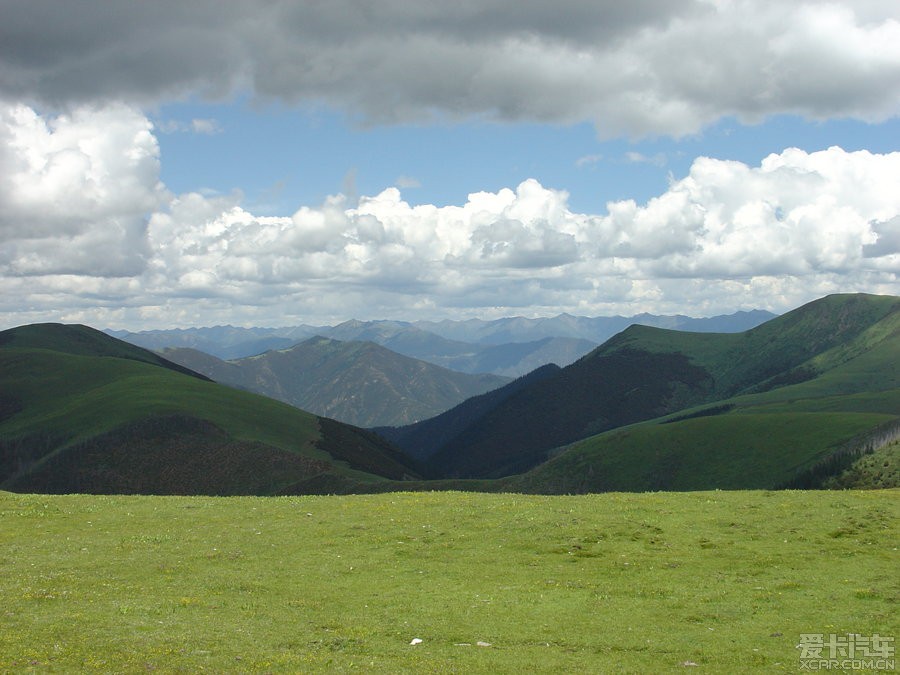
[612, 583]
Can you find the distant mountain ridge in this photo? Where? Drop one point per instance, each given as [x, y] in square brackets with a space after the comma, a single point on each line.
[511, 347]
[359, 383]
[510, 360]
[596, 329]
[224, 342]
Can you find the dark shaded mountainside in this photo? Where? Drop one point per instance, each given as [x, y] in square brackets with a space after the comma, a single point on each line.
[423, 439]
[81, 411]
[838, 347]
[359, 383]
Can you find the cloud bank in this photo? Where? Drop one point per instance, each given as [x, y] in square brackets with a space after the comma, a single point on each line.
[637, 68]
[76, 191]
[88, 233]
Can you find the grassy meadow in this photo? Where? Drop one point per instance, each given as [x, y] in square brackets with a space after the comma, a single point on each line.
[652, 582]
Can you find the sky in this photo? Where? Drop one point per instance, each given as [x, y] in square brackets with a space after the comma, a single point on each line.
[168, 164]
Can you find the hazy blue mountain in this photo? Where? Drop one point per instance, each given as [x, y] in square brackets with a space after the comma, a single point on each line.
[403, 338]
[596, 329]
[515, 359]
[511, 360]
[511, 347]
[225, 342]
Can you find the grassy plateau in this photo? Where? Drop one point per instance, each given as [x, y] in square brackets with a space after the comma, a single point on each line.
[654, 582]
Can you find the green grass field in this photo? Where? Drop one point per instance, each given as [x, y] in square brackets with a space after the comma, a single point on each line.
[616, 582]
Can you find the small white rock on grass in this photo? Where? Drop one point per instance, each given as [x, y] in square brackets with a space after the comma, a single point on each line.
[469, 644]
[418, 641]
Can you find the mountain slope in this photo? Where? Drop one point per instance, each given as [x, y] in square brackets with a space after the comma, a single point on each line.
[765, 355]
[398, 336]
[591, 395]
[795, 435]
[510, 360]
[645, 372]
[738, 450]
[359, 383]
[101, 422]
[82, 341]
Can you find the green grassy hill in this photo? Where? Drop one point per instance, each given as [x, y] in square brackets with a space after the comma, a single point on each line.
[83, 412]
[839, 345]
[776, 352]
[847, 404]
[82, 341]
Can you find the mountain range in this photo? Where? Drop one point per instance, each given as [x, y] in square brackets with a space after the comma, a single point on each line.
[596, 329]
[510, 347]
[389, 373]
[797, 401]
[360, 383]
[824, 352]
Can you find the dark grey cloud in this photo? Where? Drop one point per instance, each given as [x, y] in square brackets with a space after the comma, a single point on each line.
[887, 241]
[148, 50]
[637, 67]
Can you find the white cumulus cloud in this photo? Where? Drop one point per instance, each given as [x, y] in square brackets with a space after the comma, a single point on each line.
[721, 237]
[76, 191]
[88, 233]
